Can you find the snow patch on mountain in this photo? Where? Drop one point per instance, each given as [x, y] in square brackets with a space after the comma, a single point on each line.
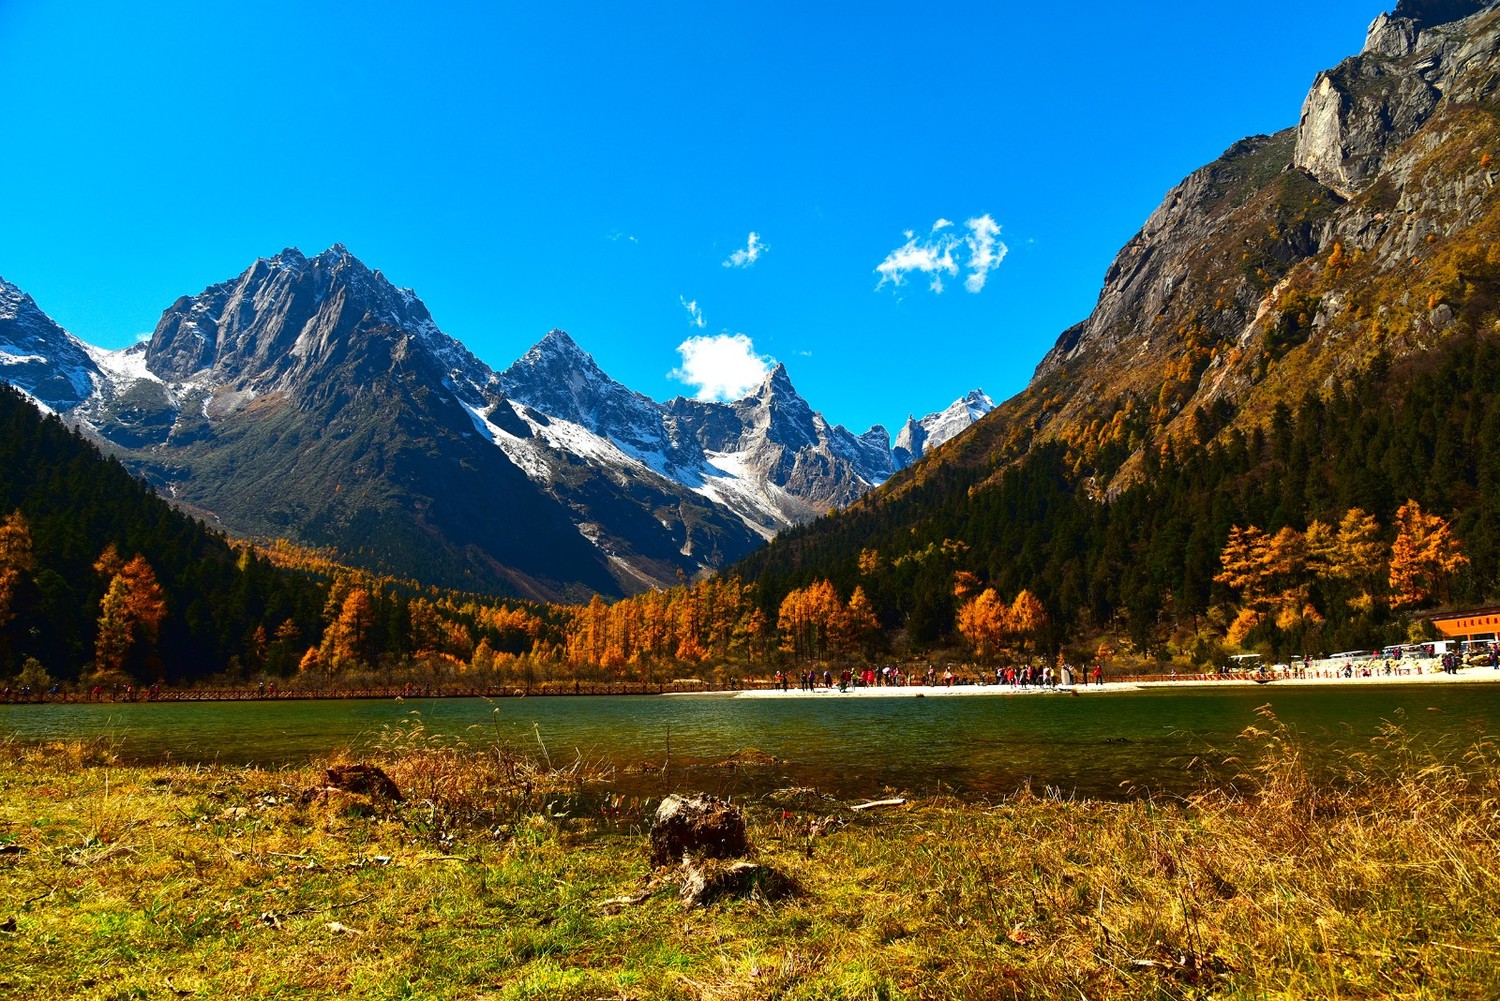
[759, 504]
[553, 443]
[770, 458]
[530, 460]
[123, 367]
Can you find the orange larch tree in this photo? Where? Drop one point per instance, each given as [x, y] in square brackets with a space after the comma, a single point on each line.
[1027, 616]
[859, 625]
[1424, 557]
[130, 615]
[807, 619]
[1248, 565]
[985, 621]
[1349, 562]
[16, 559]
[347, 640]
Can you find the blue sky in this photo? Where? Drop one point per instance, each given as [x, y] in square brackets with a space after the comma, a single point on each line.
[597, 167]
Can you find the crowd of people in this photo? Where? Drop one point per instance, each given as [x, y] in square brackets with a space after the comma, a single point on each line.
[1026, 676]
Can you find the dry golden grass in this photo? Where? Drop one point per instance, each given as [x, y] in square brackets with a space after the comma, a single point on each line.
[1375, 881]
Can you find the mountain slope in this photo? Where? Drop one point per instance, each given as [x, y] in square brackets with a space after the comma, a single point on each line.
[1288, 264]
[76, 503]
[1355, 253]
[38, 356]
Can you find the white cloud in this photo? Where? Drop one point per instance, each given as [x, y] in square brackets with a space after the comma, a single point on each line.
[720, 366]
[985, 250]
[695, 315]
[945, 253]
[744, 258]
[929, 257]
[616, 236]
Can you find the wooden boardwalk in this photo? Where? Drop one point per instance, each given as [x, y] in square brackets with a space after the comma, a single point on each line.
[272, 693]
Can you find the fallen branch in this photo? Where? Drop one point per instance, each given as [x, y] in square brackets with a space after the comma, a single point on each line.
[330, 907]
[879, 802]
[616, 904]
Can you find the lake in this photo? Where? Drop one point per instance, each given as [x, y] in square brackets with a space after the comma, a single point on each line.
[1112, 746]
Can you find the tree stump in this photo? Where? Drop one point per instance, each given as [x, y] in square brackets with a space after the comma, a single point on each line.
[369, 780]
[361, 779]
[705, 882]
[701, 825]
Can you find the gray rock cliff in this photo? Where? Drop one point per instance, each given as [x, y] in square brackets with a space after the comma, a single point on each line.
[1374, 102]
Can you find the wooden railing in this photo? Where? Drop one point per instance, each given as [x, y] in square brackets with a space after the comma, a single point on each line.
[273, 693]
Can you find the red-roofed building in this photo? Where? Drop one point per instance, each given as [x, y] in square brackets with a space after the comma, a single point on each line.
[1474, 624]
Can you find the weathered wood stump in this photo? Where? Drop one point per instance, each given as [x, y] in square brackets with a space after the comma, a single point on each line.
[704, 882]
[359, 787]
[700, 825]
[369, 780]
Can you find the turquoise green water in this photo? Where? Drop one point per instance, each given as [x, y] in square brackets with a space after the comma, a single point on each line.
[1112, 746]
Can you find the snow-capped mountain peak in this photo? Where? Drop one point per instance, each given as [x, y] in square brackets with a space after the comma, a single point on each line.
[288, 317]
[558, 378]
[285, 398]
[39, 357]
[918, 437]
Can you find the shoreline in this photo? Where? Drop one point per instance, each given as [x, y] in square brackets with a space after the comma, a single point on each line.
[1469, 675]
[1465, 676]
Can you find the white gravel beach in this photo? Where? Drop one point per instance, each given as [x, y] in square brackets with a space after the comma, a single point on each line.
[1468, 675]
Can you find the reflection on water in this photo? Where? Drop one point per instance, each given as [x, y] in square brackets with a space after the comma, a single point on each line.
[1101, 746]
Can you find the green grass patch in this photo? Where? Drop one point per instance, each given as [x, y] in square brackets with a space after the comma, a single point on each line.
[126, 882]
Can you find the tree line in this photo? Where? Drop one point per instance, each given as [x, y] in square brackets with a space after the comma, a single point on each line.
[1396, 445]
[1333, 525]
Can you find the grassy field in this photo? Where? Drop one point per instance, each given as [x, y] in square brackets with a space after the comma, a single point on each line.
[499, 878]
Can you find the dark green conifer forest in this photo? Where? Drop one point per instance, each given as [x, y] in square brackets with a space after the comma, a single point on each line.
[1143, 561]
[75, 504]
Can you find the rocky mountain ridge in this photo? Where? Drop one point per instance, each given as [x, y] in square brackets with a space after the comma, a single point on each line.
[1306, 330]
[1289, 263]
[36, 353]
[312, 398]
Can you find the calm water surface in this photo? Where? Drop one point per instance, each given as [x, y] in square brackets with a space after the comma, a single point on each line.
[1103, 745]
